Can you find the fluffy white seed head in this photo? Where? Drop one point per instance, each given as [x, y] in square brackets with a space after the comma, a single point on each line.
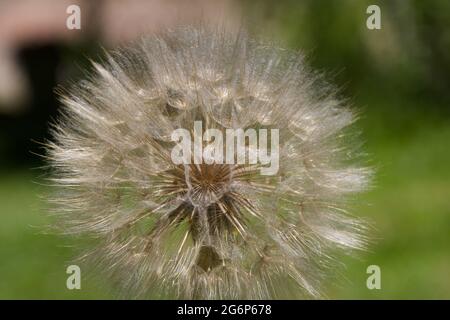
[207, 230]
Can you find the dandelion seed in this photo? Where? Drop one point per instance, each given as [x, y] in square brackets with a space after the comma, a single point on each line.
[206, 230]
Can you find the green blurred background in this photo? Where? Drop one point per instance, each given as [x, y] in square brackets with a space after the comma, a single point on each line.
[399, 79]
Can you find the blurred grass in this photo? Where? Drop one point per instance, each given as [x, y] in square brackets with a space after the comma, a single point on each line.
[409, 204]
[33, 263]
[409, 207]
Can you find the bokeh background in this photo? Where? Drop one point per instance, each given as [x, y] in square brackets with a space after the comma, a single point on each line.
[397, 77]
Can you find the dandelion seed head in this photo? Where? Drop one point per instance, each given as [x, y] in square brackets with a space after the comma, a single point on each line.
[206, 230]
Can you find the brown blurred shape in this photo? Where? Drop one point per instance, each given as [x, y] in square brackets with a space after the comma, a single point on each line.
[25, 23]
